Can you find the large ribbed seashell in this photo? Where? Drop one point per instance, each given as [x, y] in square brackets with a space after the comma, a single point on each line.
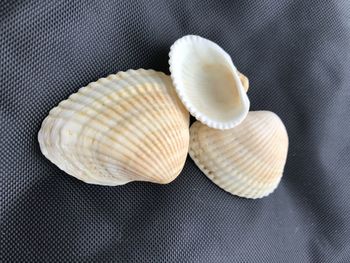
[207, 82]
[130, 126]
[247, 160]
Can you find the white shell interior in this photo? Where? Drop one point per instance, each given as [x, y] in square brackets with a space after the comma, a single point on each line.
[207, 82]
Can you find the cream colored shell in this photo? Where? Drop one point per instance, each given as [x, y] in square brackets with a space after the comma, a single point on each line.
[244, 80]
[127, 127]
[208, 83]
[247, 160]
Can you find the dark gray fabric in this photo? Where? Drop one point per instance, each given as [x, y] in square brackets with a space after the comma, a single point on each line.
[297, 57]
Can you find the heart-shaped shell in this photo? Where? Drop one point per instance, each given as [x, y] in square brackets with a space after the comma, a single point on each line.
[247, 160]
[207, 82]
[130, 126]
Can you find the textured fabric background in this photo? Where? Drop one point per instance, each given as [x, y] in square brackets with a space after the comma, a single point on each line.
[297, 57]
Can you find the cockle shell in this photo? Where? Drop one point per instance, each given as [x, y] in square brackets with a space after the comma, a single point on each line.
[247, 160]
[207, 82]
[130, 126]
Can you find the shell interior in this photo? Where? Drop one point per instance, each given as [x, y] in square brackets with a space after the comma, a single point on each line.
[207, 82]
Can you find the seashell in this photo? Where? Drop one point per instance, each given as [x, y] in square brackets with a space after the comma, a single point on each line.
[247, 160]
[207, 82]
[130, 126]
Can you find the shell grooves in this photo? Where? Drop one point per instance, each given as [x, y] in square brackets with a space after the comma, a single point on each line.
[247, 161]
[111, 119]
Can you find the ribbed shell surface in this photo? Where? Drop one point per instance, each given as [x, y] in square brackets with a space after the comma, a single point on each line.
[127, 127]
[247, 160]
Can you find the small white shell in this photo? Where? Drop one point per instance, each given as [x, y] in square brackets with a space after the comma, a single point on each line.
[247, 160]
[207, 82]
[130, 126]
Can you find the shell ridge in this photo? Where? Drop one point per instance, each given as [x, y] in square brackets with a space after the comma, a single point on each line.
[148, 118]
